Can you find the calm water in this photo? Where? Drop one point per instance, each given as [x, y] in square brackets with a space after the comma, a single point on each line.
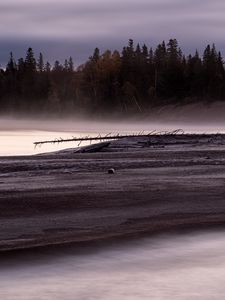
[182, 267]
[20, 142]
[17, 136]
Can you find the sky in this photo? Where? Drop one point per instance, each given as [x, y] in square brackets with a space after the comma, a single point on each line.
[60, 29]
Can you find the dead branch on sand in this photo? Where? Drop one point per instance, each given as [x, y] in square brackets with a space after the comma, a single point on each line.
[109, 137]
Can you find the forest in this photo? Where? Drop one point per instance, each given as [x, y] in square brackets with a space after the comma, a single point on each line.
[134, 80]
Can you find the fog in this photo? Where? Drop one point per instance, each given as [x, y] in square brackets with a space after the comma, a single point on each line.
[17, 134]
[198, 117]
[174, 267]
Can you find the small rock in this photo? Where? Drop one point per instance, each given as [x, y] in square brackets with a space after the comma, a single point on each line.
[111, 171]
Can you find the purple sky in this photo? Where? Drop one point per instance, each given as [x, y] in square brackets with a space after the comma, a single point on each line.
[74, 27]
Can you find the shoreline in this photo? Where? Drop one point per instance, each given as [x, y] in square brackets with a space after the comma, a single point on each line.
[165, 184]
[101, 242]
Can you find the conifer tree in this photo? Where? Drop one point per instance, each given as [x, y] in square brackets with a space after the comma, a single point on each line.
[70, 64]
[11, 65]
[47, 67]
[96, 55]
[30, 62]
[40, 63]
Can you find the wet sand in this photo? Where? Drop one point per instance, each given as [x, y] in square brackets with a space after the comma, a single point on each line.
[161, 183]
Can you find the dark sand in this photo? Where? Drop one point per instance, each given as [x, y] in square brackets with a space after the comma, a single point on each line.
[161, 184]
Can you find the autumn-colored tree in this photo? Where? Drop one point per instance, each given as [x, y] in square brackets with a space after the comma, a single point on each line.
[132, 80]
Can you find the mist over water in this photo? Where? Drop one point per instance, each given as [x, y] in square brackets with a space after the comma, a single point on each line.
[170, 267]
[17, 136]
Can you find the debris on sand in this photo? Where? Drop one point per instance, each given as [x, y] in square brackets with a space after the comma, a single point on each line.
[111, 171]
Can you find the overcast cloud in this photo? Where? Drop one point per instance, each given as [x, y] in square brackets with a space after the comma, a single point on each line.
[63, 28]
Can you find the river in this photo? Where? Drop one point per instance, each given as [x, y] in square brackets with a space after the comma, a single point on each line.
[191, 266]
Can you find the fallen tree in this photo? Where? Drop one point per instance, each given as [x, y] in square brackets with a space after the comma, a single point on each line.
[108, 137]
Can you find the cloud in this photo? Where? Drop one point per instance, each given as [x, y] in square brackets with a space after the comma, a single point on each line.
[108, 23]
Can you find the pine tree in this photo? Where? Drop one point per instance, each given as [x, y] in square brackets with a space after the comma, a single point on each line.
[173, 52]
[11, 82]
[66, 65]
[30, 62]
[130, 47]
[11, 65]
[47, 67]
[40, 63]
[29, 81]
[160, 56]
[96, 55]
[21, 65]
[57, 66]
[71, 64]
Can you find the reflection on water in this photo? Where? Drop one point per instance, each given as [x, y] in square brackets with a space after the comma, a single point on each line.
[182, 267]
[17, 136]
[21, 142]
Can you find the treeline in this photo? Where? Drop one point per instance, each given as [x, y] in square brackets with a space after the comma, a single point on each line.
[132, 81]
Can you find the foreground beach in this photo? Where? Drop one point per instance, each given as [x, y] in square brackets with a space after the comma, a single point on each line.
[161, 183]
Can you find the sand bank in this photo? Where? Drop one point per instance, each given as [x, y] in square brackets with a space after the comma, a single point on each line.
[160, 184]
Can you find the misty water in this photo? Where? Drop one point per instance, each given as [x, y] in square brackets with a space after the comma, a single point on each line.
[17, 136]
[191, 266]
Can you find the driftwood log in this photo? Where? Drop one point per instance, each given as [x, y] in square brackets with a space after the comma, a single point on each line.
[108, 137]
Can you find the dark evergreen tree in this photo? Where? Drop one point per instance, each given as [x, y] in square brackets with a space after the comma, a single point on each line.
[70, 64]
[30, 62]
[131, 81]
[96, 55]
[11, 83]
[174, 84]
[11, 65]
[47, 67]
[40, 63]
[66, 65]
